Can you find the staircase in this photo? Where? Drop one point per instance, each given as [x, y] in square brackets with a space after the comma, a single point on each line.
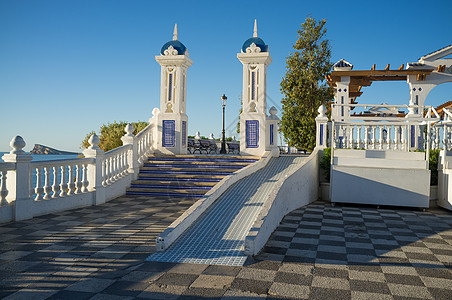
[185, 175]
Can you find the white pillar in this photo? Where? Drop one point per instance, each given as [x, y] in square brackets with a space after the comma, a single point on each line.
[321, 120]
[18, 180]
[132, 156]
[94, 170]
[253, 119]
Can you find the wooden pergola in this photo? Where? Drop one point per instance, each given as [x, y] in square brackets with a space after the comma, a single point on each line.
[361, 78]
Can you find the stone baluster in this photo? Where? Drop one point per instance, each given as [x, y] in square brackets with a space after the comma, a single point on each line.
[47, 185]
[388, 137]
[118, 166]
[3, 190]
[381, 140]
[358, 137]
[84, 179]
[78, 179]
[404, 140]
[39, 190]
[18, 183]
[366, 137]
[96, 172]
[124, 164]
[398, 131]
[108, 171]
[132, 154]
[55, 186]
[373, 130]
[63, 182]
[437, 137]
[350, 137]
[71, 184]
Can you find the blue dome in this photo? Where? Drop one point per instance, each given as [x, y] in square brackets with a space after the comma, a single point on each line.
[258, 41]
[176, 45]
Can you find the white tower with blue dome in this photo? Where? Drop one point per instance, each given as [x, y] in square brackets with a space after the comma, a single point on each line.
[258, 132]
[172, 120]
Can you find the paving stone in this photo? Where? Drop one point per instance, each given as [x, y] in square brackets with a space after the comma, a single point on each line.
[293, 291]
[162, 291]
[93, 285]
[176, 279]
[409, 291]
[126, 288]
[212, 282]
[252, 286]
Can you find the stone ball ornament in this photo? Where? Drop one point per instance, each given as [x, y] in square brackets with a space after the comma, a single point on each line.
[17, 143]
[94, 141]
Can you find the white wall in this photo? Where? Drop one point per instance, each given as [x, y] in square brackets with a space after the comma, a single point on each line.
[297, 189]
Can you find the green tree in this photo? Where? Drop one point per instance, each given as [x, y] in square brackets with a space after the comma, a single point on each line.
[303, 85]
[110, 134]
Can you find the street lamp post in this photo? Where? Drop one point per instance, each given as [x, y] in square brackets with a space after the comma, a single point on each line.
[223, 138]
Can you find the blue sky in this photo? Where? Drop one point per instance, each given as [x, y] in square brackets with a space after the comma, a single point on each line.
[67, 67]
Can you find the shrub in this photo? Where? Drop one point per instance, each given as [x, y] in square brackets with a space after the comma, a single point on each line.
[325, 163]
[433, 166]
[110, 134]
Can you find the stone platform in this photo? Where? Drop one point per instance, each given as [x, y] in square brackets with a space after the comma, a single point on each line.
[318, 252]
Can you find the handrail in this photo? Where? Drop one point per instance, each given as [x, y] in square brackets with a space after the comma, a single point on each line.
[5, 166]
[46, 163]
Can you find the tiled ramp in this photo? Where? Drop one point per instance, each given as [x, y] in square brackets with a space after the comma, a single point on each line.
[218, 237]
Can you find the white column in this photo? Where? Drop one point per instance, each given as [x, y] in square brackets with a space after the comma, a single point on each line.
[18, 183]
[94, 171]
[321, 128]
[132, 157]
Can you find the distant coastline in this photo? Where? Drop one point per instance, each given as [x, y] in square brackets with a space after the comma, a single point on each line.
[41, 149]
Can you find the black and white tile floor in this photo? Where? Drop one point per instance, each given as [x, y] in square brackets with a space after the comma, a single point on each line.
[318, 252]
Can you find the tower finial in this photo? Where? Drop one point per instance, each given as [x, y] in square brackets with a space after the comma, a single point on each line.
[175, 32]
[255, 28]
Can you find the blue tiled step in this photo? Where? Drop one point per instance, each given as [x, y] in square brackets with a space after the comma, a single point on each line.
[175, 187]
[184, 172]
[184, 176]
[192, 166]
[180, 179]
[163, 194]
[203, 159]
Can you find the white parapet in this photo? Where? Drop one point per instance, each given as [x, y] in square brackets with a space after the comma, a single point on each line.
[380, 177]
[445, 179]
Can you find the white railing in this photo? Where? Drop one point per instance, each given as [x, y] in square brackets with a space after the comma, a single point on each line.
[379, 132]
[58, 178]
[144, 140]
[31, 188]
[4, 168]
[115, 165]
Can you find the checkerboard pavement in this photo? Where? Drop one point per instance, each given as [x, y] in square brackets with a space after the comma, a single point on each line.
[317, 252]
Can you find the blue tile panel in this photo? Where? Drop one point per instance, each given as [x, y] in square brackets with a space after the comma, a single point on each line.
[184, 133]
[271, 133]
[218, 237]
[169, 133]
[321, 134]
[252, 133]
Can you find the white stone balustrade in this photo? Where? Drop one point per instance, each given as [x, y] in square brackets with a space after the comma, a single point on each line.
[32, 188]
[385, 132]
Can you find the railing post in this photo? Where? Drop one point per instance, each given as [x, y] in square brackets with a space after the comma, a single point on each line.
[130, 139]
[94, 170]
[18, 183]
[322, 128]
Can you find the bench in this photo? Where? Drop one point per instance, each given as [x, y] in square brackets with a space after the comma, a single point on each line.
[233, 147]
